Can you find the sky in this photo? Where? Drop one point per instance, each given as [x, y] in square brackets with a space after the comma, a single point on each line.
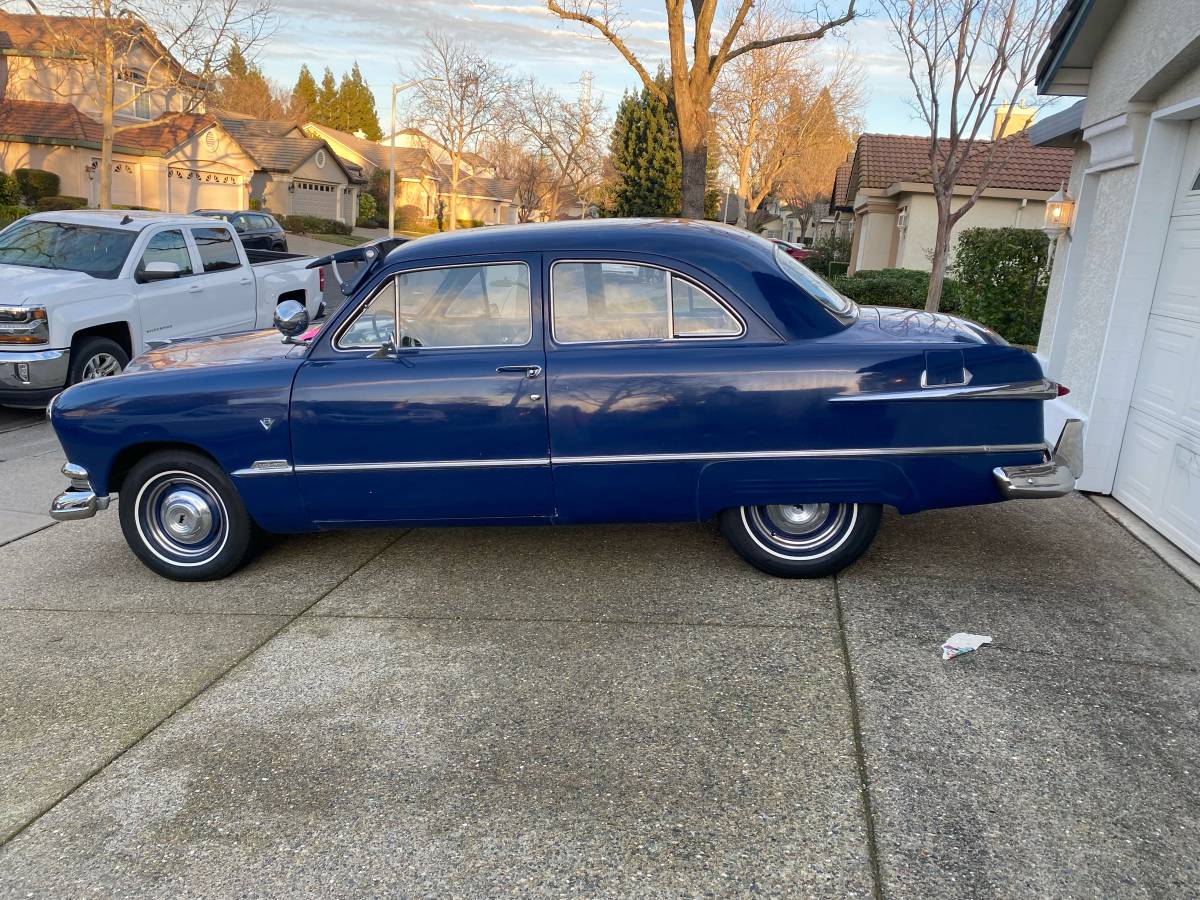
[385, 36]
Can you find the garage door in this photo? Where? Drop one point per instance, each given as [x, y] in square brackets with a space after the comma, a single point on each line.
[316, 198]
[191, 189]
[1158, 474]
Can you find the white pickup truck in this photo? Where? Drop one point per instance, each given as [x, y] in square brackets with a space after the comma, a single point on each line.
[83, 292]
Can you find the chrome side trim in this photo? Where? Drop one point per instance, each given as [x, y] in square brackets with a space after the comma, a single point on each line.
[425, 464]
[1042, 389]
[267, 467]
[803, 454]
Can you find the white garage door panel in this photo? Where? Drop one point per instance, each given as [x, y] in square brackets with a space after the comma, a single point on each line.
[315, 198]
[1158, 473]
[189, 193]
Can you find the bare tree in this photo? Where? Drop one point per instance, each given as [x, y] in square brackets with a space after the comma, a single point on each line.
[965, 57]
[459, 100]
[693, 75]
[778, 107]
[121, 54]
[566, 136]
[531, 180]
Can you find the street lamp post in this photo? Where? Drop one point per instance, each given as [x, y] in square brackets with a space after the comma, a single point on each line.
[396, 89]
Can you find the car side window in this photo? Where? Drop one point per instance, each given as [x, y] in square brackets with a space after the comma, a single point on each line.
[216, 248]
[456, 306]
[696, 313]
[167, 246]
[612, 301]
[240, 223]
[261, 222]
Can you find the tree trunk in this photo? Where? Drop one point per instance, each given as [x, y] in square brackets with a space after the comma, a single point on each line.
[108, 129]
[941, 249]
[692, 122]
[455, 169]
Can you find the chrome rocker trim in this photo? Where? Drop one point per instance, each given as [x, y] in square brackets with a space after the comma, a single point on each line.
[78, 501]
[1054, 478]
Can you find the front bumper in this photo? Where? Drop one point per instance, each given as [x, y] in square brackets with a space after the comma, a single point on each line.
[32, 377]
[1054, 478]
[78, 501]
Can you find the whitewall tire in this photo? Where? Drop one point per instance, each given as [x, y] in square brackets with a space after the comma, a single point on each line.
[808, 540]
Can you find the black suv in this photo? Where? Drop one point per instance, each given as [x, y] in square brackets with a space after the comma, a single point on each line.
[257, 230]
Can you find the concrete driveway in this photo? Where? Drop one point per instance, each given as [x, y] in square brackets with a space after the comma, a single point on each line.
[604, 711]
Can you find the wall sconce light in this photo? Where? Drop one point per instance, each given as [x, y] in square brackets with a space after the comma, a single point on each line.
[91, 170]
[1060, 213]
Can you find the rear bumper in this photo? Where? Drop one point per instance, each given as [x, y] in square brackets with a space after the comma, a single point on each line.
[1054, 478]
[32, 377]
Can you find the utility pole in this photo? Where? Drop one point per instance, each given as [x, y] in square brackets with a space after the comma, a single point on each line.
[396, 89]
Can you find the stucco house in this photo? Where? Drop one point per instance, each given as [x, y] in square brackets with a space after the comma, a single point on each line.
[423, 173]
[167, 154]
[1122, 321]
[890, 192]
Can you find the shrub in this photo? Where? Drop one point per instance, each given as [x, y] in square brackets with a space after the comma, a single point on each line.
[470, 223]
[51, 204]
[366, 210]
[408, 217]
[34, 184]
[313, 225]
[831, 248]
[1004, 277]
[142, 208]
[10, 193]
[256, 204]
[906, 288]
[10, 212]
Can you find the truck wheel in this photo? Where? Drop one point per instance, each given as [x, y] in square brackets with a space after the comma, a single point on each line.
[183, 517]
[96, 357]
[809, 540]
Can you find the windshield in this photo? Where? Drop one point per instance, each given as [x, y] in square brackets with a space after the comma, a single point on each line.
[815, 286]
[99, 252]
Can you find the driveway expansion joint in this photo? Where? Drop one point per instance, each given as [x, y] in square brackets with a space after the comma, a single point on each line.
[860, 759]
[551, 620]
[186, 702]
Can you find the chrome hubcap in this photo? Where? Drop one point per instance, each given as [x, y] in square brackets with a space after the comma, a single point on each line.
[187, 516]
[102, 365]
[799, 519]
[181, 518]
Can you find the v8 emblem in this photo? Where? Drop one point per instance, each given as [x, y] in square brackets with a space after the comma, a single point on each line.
[266, 423]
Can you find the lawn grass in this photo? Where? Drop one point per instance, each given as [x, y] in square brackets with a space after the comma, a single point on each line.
[348, 240]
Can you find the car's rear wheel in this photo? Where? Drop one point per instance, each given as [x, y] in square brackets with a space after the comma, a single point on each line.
[807, 540]
[183, 517]
[96, 357]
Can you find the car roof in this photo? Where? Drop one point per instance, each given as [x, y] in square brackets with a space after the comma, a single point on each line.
[125, 219]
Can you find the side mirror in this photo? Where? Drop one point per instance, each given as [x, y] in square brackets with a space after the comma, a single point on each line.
[159, 271]
[291, 319]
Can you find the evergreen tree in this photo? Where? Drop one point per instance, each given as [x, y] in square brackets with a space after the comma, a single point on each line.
[242, 88]
[359, 106]
[326, 110]
[645, 153]
[304, 96]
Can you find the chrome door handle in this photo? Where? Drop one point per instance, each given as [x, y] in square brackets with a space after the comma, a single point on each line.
[530, 371]
[195, 289]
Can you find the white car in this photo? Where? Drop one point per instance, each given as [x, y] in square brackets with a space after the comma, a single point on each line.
[82, 293]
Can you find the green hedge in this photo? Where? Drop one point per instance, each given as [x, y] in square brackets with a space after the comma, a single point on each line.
[34, 184]
[52, 204]
[313, 225]
[10, 192]
[366, 210]
[905, 288]
[10, 212]
[1004, 277]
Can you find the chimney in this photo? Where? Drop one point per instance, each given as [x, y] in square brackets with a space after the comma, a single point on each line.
[1020, 117]
[360, 134]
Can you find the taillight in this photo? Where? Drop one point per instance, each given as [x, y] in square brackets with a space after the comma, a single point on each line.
[1063, 390]
[321, 271]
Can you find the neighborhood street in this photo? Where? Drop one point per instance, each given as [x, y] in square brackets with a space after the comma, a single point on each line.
[607, 710]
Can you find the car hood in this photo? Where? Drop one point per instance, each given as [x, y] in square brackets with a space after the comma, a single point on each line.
[26, 284]
[220, 350]
[887, 323]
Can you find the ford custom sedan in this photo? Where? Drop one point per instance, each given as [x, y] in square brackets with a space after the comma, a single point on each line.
[607, 371]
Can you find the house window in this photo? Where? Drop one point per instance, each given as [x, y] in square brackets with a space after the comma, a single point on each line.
[136, 85]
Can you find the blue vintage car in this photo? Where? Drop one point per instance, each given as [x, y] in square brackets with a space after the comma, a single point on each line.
[609, 371]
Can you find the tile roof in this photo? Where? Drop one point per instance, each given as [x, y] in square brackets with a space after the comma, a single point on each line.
[411, 162]
[52, 121]
[486, 187]
[841, 183]
[882, 160]
[275, 146]
[164, 134]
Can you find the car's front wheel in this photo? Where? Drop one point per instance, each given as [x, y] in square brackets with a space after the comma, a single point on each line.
[96, 357]
[807, 540]
[183, 518]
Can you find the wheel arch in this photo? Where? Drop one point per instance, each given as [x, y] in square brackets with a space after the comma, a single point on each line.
[128, 457]
[114, 331]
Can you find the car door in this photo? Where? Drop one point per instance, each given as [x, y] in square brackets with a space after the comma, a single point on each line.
[653, 373]
[451, 425]
[252, 238]
[229, 295]
[168, 307]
